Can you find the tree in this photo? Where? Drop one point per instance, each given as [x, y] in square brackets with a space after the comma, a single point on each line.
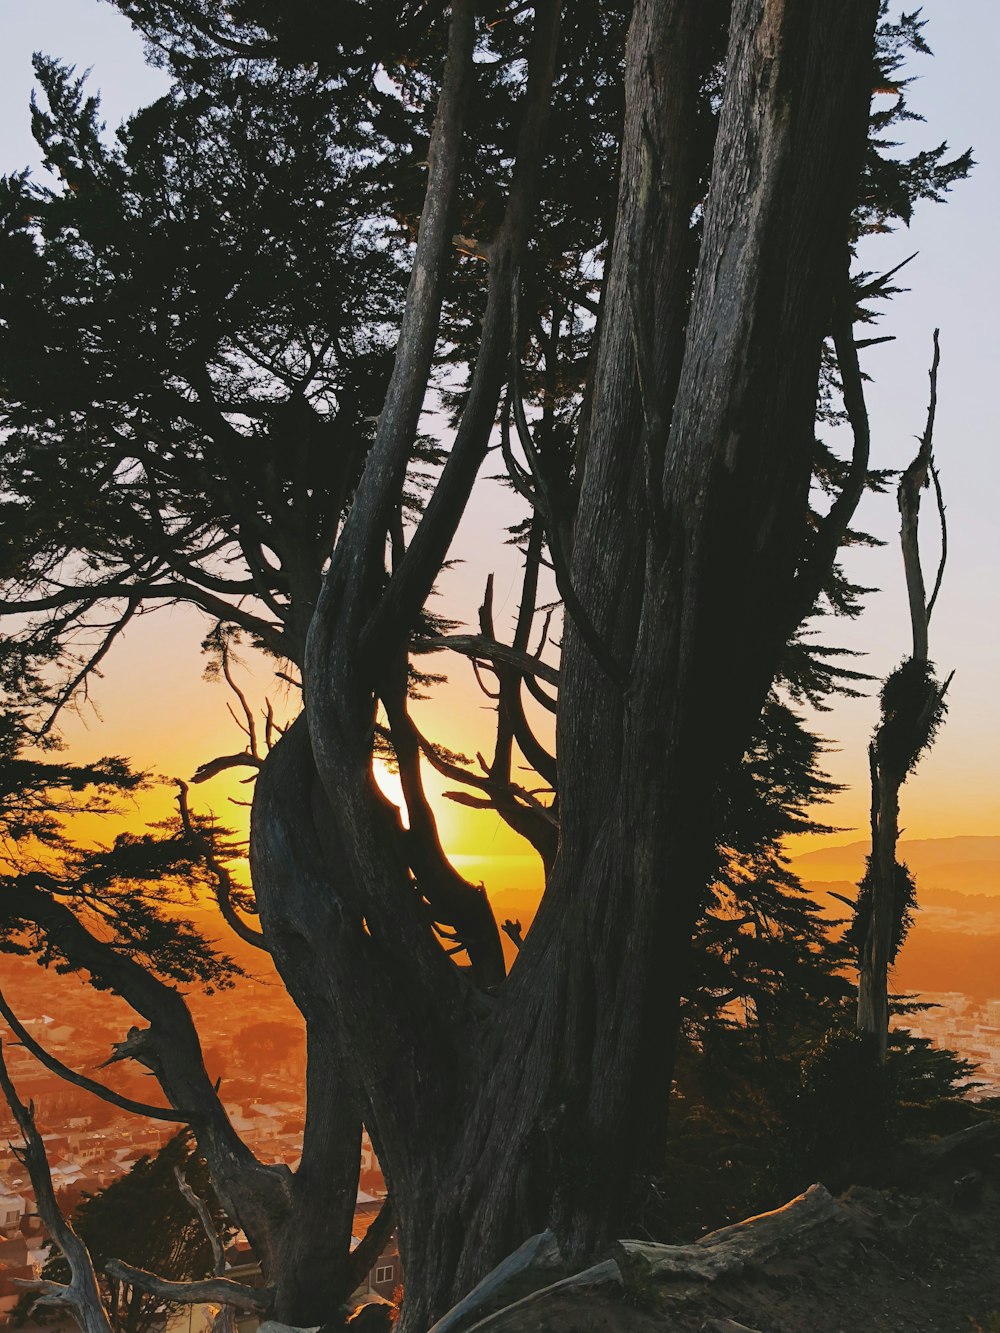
[670, 492]
[144, 1220]
[912, 708]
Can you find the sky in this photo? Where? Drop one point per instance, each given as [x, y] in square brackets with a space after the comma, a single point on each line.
[153, 704]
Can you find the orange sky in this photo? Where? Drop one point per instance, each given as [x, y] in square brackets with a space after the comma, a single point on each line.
[155, 707]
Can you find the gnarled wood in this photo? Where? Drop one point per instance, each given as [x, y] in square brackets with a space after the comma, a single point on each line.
[730, 1250]
[603, 1276]
[82, 1295]
[209, 1290]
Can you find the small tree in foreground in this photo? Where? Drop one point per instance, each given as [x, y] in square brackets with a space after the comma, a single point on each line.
[147, 1219]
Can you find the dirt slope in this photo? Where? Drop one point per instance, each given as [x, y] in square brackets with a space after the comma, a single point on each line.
[920, 1257]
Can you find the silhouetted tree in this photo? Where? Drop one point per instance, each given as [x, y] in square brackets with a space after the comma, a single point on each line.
[144, 1220]
[667, 453]
[912, 707]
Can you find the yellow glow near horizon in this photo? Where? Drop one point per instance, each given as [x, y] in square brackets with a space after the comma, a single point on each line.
[156, 709]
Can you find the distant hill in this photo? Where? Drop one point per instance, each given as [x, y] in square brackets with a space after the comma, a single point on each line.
[964, 864]
[955, 941]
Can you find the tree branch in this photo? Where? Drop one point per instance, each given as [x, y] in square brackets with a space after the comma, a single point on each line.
[205, 1218]
[82, 1295]
[411, 583]
[80, 1080]
[372, 1243]
[913, 480]
[832, 529]
[474, 645]
[210, 1290]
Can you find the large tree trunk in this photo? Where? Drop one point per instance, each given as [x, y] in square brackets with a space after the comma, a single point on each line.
[497, 1112]
[547, 1103]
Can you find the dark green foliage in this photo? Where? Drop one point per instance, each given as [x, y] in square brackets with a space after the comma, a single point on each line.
[194, 321]
[904, 905]
[130, 887]
[842, 1108]
[913, 709]
[764, 954]
[749, 1128]
[36, 793]
[893, 185]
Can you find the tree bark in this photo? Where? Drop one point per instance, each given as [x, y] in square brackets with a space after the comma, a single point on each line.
[702, 423]
[542, 1101]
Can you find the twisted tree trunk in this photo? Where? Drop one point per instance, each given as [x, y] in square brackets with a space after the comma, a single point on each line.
[497, 1112]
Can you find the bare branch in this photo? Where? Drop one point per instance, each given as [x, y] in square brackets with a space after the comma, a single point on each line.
[538, 694]
[80, 1080]
[82, 1295]
[474, 645]
[373, 1242]
[512, 929]
[82, 676]
[250, 728]
[832, 529]
[213, 767]
[205, 1218]
[210, 1290]
[942, 517]
[602, 654]
[913, 480]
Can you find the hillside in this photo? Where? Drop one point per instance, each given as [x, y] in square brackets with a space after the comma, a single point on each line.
[917, 1255]
[964, 864]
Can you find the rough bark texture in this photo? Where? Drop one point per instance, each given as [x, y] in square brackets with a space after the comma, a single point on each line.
[496, 1115]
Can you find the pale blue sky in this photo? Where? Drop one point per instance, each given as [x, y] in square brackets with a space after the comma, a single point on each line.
[955, 285]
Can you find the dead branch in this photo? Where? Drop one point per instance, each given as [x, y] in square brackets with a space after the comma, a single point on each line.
[138, 1046]
[832, 529]
[473, 645]
[205, 1218]
[82, 1295]
[372, 1243]
[906, 726]
[106, 1094]
[538, 694]
[538, 1253]
[732, 1249]
[213, 767]
[943, 522]
[210, 1290]
[512, 929]
[915, 478]
[601, 652]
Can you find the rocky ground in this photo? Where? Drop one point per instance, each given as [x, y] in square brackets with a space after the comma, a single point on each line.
[919, 1255]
